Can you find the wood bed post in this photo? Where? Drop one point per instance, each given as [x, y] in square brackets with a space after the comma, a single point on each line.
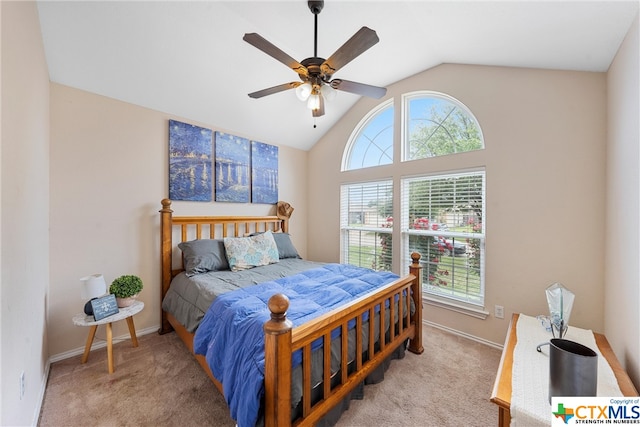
[165, 261]
[415, 345]
[277, 369]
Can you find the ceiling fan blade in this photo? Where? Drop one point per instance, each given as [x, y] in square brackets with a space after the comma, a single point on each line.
[274, 89]
[320, 111]
[359, 88]
[270, 49]
[352, 48]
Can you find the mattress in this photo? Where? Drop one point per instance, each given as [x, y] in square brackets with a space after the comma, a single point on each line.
[189, 298]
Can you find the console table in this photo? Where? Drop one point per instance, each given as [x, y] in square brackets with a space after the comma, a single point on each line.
[501, 394]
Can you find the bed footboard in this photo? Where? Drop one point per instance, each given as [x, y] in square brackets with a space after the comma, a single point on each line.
[282, 340]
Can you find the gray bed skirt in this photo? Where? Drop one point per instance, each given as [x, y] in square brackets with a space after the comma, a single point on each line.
[358, 393]
[375, 377]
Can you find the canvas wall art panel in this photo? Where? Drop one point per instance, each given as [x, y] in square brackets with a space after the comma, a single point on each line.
[264, 173]
[232, 168]
[190, 161]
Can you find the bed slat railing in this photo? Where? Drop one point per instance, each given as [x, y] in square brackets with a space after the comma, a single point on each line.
[281, 340]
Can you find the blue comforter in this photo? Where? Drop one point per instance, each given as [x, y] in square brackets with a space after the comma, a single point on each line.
[231, 335]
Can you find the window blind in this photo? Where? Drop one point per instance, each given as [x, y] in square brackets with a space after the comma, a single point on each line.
[443, 219]
[366, 224]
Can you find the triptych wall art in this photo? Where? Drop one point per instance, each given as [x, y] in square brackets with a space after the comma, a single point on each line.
[189, 162]
[244, 171]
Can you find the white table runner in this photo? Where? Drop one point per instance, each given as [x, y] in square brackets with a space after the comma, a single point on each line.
[530, 373]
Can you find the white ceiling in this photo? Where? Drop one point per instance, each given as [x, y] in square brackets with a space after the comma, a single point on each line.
[188, 59]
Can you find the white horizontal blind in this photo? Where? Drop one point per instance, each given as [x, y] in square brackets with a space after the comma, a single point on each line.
[443, 218]
[366, 224]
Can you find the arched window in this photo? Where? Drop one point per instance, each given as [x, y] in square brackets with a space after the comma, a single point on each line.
[441, 214]
[371, 143]
[436, 124]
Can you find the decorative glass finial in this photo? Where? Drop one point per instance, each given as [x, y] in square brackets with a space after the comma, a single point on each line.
[560, 300]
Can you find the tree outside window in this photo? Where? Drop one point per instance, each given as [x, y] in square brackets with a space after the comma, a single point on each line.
[438, 125]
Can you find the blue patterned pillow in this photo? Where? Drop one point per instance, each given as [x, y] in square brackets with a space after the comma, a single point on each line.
[248, 252]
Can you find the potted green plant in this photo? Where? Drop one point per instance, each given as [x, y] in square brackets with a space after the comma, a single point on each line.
[126, 289]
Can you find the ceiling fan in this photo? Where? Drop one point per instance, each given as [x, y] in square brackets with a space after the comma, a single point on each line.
[315, 73]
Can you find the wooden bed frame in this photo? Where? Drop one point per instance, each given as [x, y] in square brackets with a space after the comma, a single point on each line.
[281, 339]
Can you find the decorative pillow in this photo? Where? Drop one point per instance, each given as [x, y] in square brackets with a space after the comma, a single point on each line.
[284, 244]
[248, 252]
[200, 256]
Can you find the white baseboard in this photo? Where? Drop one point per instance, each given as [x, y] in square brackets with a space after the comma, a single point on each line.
[464, 334]
[101, 344]
[43, 388]
[153, 329]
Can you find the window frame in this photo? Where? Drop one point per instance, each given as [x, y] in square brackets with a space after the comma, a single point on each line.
[405, 121]
[400, 125]
[474, 308]
[361, 126]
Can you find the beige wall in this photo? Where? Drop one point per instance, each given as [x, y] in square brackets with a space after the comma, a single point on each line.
[545, 154]
[24, 151]
[622, 273]
[109, 171]
[545, 135]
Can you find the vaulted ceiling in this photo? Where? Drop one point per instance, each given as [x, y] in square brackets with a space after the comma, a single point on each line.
[188, 59]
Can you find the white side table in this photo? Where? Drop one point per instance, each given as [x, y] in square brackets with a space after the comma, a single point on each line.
[127, 313]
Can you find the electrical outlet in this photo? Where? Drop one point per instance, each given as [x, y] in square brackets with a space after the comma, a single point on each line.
[21, 385]
[499, 312]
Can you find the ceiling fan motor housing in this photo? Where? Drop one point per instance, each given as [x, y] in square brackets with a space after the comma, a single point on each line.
[316, 74]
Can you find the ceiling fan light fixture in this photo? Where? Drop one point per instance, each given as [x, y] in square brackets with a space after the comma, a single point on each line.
[328, 92]
[303, 91]
[313, 103]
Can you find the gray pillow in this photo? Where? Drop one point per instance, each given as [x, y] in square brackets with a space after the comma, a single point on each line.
[202, 255]
[285, 245]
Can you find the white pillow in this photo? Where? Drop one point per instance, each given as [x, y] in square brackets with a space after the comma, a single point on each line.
[248, 252]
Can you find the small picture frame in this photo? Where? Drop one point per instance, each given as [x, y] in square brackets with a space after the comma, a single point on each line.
[104, 307]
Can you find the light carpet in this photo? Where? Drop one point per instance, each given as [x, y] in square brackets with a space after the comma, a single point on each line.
[160, 384]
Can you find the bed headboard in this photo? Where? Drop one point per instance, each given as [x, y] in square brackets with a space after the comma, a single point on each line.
[177, 229]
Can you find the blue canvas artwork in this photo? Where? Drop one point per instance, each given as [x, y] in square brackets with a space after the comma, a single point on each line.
[189, 162]
[232, 168]
[264, 173]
